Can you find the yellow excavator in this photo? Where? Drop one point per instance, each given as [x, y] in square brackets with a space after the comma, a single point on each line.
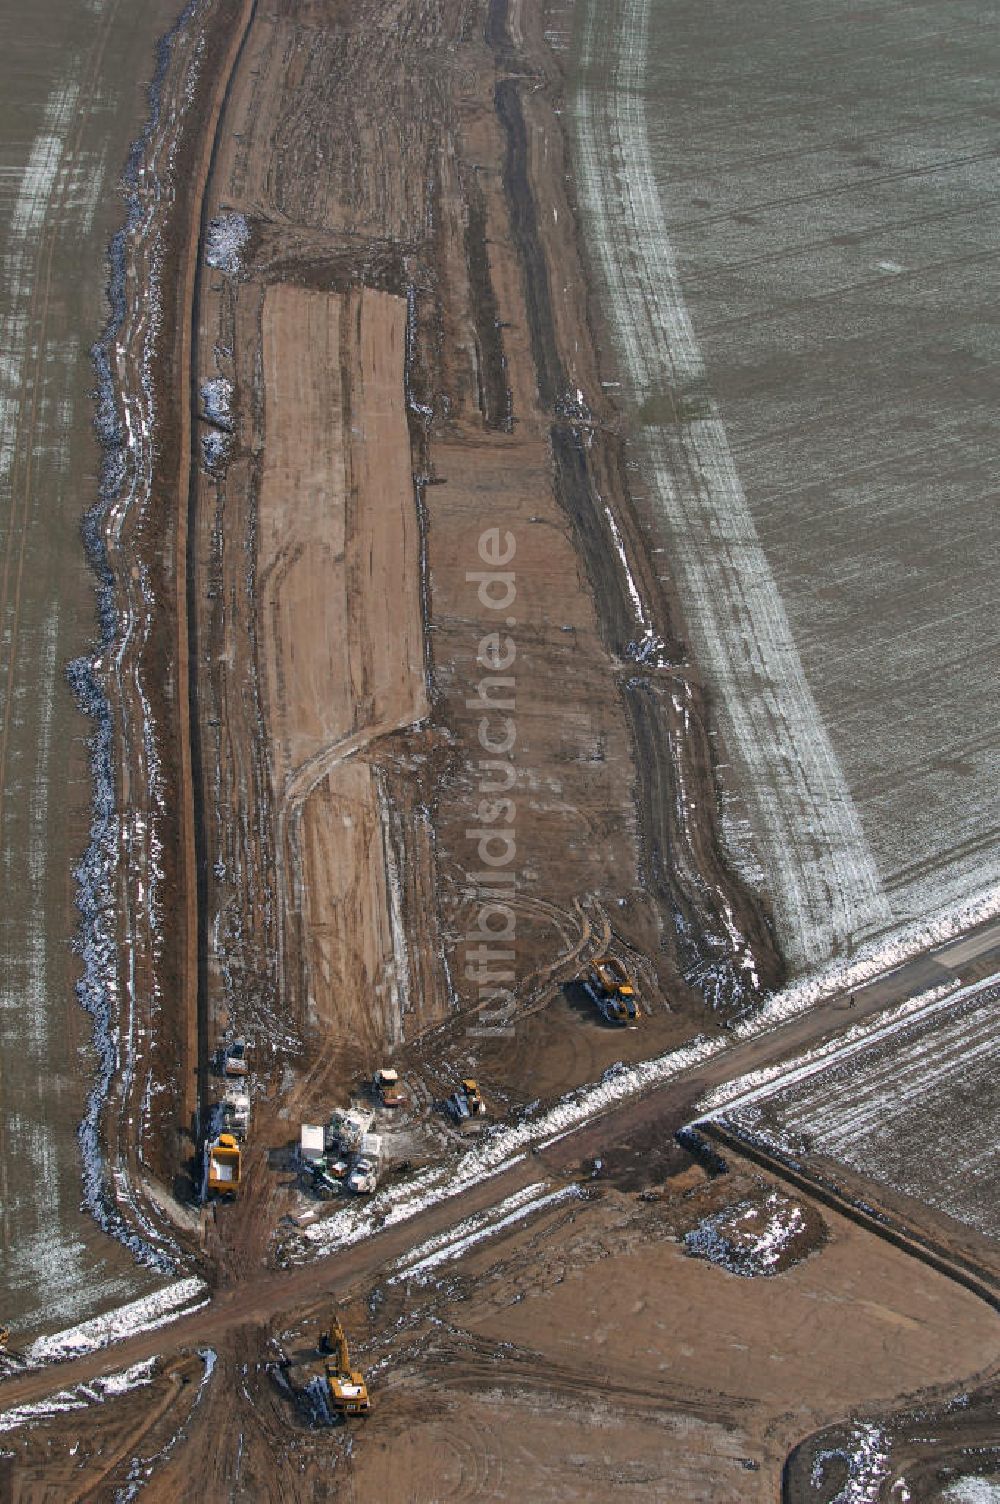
[611, 989]
[348, 1392]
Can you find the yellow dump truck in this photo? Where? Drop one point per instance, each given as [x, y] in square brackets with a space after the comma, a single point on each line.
[224, 1163]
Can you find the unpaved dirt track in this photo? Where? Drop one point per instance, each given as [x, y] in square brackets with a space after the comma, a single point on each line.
[251, 1302]
[423, 244]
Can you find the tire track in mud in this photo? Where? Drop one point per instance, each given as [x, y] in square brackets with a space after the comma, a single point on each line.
[262, 1296]
[194, 978]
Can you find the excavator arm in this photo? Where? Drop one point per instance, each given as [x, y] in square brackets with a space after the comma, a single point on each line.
[336, 1346]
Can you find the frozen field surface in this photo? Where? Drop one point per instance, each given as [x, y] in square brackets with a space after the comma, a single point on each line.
[792, 217]
[72, 96]
[918, 1109]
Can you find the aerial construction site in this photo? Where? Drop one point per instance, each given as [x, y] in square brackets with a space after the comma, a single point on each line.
[517, 1063]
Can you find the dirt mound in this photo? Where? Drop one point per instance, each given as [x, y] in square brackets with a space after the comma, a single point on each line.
[764, 1234]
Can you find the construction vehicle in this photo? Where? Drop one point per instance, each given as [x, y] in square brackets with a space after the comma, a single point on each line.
[365, 1171]
[363, 1178]
[474, 1097]
[236, 1113]
[347, 1129]
[323, 1181]
[388, 1089]
[223, 1165]
[347, 1390]
[611, 989]
[234, 1058]
[466, 1102]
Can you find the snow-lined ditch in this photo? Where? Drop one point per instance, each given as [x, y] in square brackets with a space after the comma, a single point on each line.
[458, 1240]
[80, 1396]
[496, 1151]
[156, 1310]
[873, 960]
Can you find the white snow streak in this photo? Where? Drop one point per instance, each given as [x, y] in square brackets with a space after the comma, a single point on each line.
[764, 1083]
[80, 1397]
[458, 1240]
[142, 1315]
[825, 884]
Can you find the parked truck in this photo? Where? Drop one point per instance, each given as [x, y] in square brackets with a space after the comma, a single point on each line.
[235, 1064]
[366, 1169]
[388, 1089]
[223, 1165]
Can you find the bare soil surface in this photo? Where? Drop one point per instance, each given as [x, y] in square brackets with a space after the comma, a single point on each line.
[73, 92]
[580, 1354]
[410, 376]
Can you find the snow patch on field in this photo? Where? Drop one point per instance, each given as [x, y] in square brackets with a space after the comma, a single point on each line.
[973, 1490]
[143, 1315]
[111, 1386]
[225, 243]
[866, 1457]
[744, 1090]
[825, 885]
[750, 1239]
[215, 451]
[909, 1100]
[216, 401]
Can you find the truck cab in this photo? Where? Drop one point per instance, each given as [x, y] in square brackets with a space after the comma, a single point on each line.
[388, 1088]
